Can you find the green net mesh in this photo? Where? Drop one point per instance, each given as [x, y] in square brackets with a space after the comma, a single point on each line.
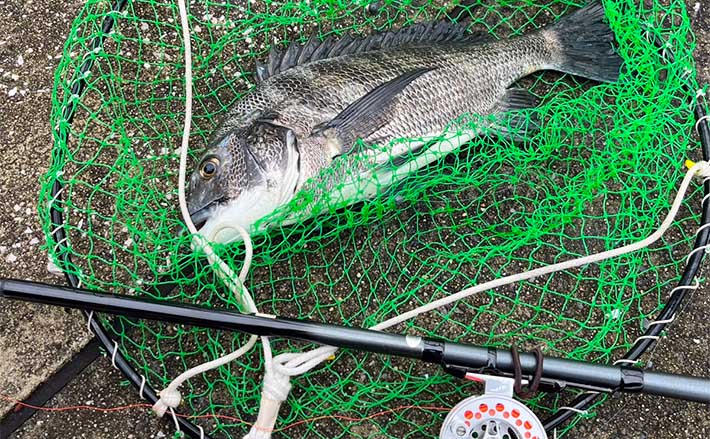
[600, 174]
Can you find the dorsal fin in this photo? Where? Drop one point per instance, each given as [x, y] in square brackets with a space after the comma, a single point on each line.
[274, 64]
[422, 33]
[323, 49]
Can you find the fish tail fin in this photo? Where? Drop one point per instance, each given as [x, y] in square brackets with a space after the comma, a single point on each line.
[584, 42]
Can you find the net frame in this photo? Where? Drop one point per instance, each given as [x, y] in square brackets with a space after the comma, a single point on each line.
[642, 345]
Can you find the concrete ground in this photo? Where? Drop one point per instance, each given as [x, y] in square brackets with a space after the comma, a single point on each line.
[35, 340]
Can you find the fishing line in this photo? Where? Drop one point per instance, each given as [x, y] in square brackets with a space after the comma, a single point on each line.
[310, 420]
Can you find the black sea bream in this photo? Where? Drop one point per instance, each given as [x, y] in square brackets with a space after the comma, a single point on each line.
[341, 103]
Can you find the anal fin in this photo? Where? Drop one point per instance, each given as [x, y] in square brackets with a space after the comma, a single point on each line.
[513, 123]
[517, 99]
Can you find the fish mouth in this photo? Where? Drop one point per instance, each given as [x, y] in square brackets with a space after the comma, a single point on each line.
[199, 217]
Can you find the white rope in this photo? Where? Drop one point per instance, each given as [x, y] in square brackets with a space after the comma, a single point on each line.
[170, 396]
[701, 120]
[693, 287]
[54, 200]
[625, 361]
[60, 242]
[700, 249]
[142, 388]
[175, 419]
[88, 320]
[296, 363]
[701, 228]
[54, 231]
[188, 118]
[661, 322]
[113, 355]
[573, 409]
[647, 337]
[701, 167]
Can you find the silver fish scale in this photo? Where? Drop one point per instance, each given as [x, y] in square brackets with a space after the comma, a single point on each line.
[242, 114]
[236, 180]
[263, 143]
[262, 100]
[307, 95]
[425, 107]
[467, 79]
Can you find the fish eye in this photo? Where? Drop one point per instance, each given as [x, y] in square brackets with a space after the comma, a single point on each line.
[208, 168]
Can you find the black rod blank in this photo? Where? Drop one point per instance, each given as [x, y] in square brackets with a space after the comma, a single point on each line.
[430, 350]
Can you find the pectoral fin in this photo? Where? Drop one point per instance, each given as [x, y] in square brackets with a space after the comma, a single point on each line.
[364, 116]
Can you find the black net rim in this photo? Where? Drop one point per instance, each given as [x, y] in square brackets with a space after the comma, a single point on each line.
[580, 404]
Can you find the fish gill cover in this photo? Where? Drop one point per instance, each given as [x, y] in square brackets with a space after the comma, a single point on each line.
[599, 174]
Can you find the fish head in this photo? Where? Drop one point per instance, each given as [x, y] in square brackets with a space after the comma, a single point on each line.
[241, 178]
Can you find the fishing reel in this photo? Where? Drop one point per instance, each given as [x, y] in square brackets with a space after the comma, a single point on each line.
[493, 415]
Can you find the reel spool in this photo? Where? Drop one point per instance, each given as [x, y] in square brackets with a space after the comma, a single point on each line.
[493, 415]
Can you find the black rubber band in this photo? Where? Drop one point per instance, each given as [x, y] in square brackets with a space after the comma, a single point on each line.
[631, 380]
[535, 383]
[517, 371]
[518, 374]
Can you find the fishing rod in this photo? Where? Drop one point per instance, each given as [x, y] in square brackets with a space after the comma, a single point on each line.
[456, 358]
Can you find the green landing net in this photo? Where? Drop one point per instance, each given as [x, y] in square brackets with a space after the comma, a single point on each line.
[600, 174]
